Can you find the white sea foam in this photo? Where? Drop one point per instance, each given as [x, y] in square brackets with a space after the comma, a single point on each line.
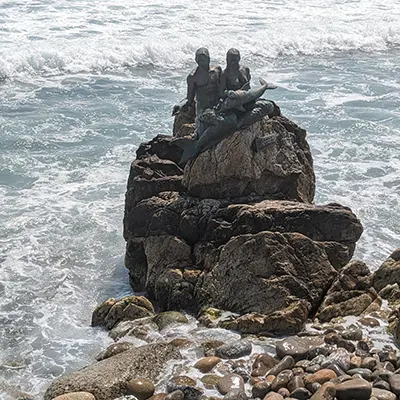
[77, 37]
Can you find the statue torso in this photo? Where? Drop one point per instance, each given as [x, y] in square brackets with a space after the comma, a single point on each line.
[207, 87]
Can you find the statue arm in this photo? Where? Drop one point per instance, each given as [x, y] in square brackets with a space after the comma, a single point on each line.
[222, 85]
[191, 90]
[245, 75]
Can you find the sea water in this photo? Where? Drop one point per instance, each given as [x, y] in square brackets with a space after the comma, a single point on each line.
[83, 83]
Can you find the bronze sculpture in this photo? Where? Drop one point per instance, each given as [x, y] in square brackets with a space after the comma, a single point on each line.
[224, 102]
[234, 77]
[202, 85]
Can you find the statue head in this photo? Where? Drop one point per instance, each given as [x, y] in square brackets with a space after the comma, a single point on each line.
[203, 57]
[233, 57]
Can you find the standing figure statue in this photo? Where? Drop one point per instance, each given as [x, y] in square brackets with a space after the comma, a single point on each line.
[202, 85]
[234, 77]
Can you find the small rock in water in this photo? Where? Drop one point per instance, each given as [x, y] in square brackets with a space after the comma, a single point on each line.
[394, 382]
[352, 334]
[281, 380]
[297, 347]
[175, 395]
[240, 348]
[235, 394]
[158, 396]
[345, 344]
[273, 396]
[295, 383]
[206, 364]
[382, 394]
[321, 376]
[210, 346]
[326, 392]
[230, 382]
[284, 392]
[168, 318]
[262, 364]
[301, 393]
[114, 349]
[286, 363]
[368, 321]
[142, 388]
[340, 357]
[260, 389]
[381, 384]
[363, 372]
[185, 385]
[76, 396]
[210, 381]
[357, 389]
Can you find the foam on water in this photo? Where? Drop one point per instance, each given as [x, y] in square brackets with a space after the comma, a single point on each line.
[52, 38]
[87, 83]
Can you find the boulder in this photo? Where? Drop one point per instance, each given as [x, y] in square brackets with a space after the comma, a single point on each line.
[233, 168]
[351, 293]
[129, 308]
[268, 273]
[389, 272]
[108, 379]
[236, 229]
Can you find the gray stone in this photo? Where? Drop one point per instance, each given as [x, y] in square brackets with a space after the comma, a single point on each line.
[382, 394]
[357, 389]
[394, 382]
[286, 363]
[363, 372]
[168, 318]
[186, 385]
[230, 382]
[301, 393]
[298, 347]
[326, 392]
[107, 378]
[237, 349]
[235, 394]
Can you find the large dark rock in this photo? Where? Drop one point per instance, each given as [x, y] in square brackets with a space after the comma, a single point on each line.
[351, 294]
[108, 379]
[233, 168]
[389, 272]
[231, 235]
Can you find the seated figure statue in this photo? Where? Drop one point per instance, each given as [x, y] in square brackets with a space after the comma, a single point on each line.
[202, 86]
[234, 76]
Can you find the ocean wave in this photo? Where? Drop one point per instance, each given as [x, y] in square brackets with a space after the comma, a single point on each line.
[139, 37]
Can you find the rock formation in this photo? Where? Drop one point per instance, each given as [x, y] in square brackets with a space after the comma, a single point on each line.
[107, 379]
[236, 229]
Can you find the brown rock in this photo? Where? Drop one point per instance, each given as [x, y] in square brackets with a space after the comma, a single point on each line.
[350, 294]
[273, 396]
[206, 364]
[382, 394]
[76, 396]
[141, 388]
[233, 169]
[230, 382]
[357, 389]
[114, 349]
[126, 309]
[210, 381]
[158, 396]
[260, 389]
[321, 376]
[389, 272]
[326, 392]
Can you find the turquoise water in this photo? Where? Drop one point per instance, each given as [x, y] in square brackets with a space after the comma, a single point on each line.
[83, 85]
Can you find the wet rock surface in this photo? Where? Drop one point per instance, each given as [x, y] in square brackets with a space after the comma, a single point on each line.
[182, 241]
